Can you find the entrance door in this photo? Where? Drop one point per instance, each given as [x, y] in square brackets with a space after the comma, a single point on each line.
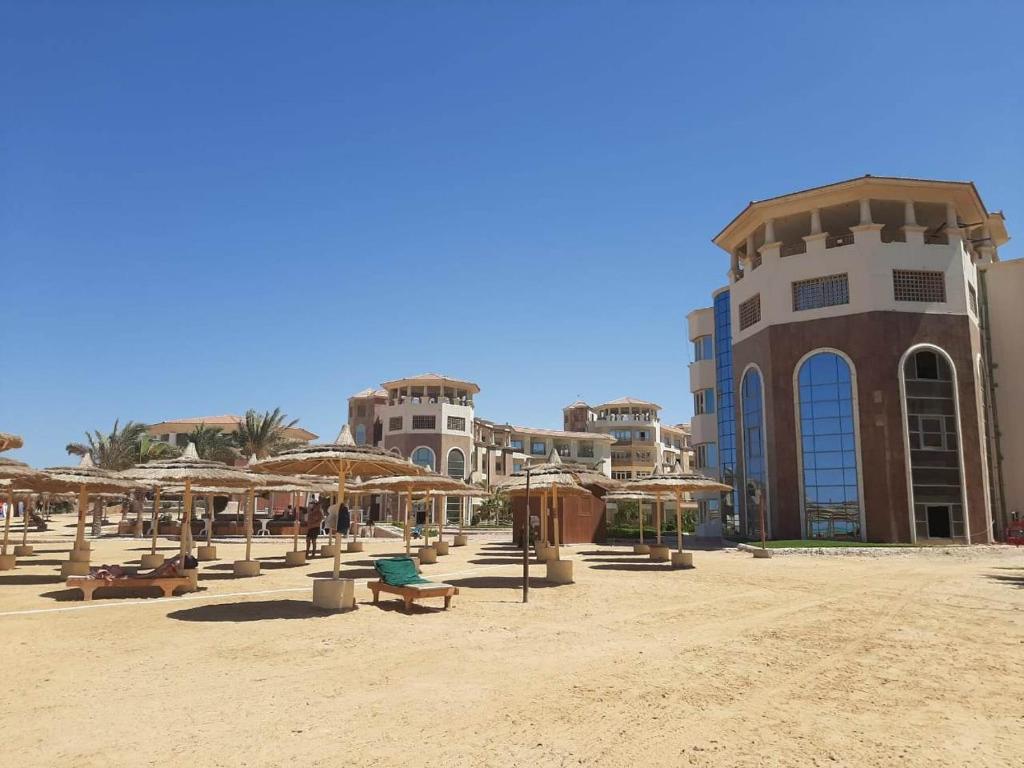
[939, 522]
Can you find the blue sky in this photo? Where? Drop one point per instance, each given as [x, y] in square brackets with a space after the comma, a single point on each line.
[206, 207]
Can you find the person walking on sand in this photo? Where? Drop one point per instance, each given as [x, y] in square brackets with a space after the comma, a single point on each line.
[344, 520]
[313, 520]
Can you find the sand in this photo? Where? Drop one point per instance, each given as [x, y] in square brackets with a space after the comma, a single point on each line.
[793, 661]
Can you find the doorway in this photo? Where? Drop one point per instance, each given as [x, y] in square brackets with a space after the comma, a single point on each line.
[939, 522]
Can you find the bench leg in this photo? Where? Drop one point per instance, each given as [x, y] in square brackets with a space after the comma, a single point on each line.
[376, 596]
[408, 604]
[87, 593]
[447, 602]
[168, 590]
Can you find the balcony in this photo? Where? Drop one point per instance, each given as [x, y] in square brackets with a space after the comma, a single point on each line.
[838, 241]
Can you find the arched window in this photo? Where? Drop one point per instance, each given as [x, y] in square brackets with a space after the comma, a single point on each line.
[828, 448]
[360, 434]
[456, 469]
[755, 484]
[423, 457]
[933, 436]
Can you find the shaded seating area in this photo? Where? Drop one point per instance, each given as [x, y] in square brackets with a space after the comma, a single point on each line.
[400, 576]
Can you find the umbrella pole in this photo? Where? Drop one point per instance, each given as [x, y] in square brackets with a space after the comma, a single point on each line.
[526, 543]
[185, 539]
[342, 472]
[24, 521]
[209, 514]
[679, 520]
[657, 517]
[298, 522]
[83, 505]
[248, 524]
[543, 519]
[156, 519]
[640, 514]
[554, 519]
[7, 520]
[442, 514]
[408, 533]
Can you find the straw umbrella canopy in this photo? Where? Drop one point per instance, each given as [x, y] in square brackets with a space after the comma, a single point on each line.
[469, 492]
[85, 479]
[13, 472]
[552, 477]
[341, 459]
[411, 485]
[188, 469]
[9, 442]
[675, 482]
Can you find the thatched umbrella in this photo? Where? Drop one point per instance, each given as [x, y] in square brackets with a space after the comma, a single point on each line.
[675, 482]
[9, 442]
[85, 479]
[470, 492]
[639, 498]
[410, 485]
[17, 472]
[341, 459]
[187, 469]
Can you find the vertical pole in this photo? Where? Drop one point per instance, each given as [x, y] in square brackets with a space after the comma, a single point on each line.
[298, 522]
[250, 508]
[156, 520]
[7, 518]
[640, 515]
[186, 525]
[83, 504]
[342, 471]
[679, 520]
[526, 542]
[431, 520]
[408, 536]
[760, 506]
[658, 516]
[554, 520]
[543, 519]
[24, 521]
[209, 515]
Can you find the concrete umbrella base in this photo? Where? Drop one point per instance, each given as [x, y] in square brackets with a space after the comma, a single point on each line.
[23, 550]
[659, 553]
[441, 547]
[328, 550]
[682, 559]
[762, 553]
[334, 594]
[461, 540]
[641, 549]
[151, 560]
[80, 556]
[545, 552]
[71, 568]
[297, 557]
[7, 562]
[85, 546]
[246, 567]
[354, 546]
[559, 571]
[206, 554]
[428, 555]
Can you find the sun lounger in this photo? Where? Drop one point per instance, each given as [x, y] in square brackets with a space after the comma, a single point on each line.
[166, 577]
[400, 576]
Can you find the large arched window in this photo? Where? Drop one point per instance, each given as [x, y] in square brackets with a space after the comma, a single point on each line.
[456, 469]
[360, 434]
[828, 448]
[755, 470]
[423, 457]
[933, 437]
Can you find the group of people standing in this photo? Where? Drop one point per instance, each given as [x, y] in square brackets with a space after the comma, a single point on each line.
[338, 517]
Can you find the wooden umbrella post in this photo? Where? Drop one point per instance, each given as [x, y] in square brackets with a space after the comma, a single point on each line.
[7, 521]
[554, 520]
[657, 518]
[185, 538]
[679, 520]
[249, 510]
[24, 531]
[155, 526]
[433, 520]
[342, 476]
[408, 532]
[298, 522]
[640, 515]
[83, 505]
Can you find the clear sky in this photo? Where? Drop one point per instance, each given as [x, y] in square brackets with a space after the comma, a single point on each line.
[211, 206]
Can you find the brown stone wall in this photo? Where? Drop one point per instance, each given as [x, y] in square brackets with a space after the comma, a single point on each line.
[875, 342]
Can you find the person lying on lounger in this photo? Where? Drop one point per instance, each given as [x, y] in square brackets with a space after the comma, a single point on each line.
[166, 570]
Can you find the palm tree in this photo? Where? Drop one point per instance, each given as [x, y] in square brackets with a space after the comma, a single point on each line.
[263, 434]
[213, 444]
[117, 450]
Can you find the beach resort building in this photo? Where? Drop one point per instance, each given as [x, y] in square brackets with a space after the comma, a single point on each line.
[177, 431]
[858, 377]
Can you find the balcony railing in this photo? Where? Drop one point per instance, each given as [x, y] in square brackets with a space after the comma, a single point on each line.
[838, 241]
[793, 249]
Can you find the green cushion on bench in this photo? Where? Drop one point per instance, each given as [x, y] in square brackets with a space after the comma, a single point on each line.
[398, 571]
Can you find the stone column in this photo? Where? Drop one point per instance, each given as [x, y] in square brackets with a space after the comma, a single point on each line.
[816, 221]
[866, 232]
[953, 230]
[816, 240]
[770, 251]
[912, 232]
[865, 211]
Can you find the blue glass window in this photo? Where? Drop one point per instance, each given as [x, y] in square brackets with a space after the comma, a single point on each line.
[726, 410]
[828, 447]
[755, 496]
[423, 457]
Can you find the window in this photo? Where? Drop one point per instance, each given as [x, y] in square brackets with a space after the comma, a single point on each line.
[517, 467]
[707, 510]
[726, 410]
[456, 424]
[706, 456]
[703, 348]
[972, 298]
[643, 436]
[828, 448]
[585, 450]
[818, 292]
[704, 401]
[424, 422]
[515, 445]
[360, 434]
[456, 464]
[395, 424]
[755, 495]
[932, 433]
[918, 285]
[750, 311]
[622, 435]
[621, 475]
[423, 457]
[181, 439]
[538, 447]
[361, 410]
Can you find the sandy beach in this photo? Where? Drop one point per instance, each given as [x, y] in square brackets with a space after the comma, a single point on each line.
[792, 661]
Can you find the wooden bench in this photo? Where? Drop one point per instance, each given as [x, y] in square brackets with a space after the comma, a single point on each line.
[413, 592]
[167, 584]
